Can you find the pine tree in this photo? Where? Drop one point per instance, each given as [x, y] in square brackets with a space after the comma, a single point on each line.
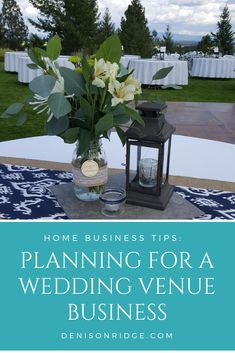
[51, 16]
[80, 25]
[107, 27]
[135, 35]
[74, 20]
[155, 38]
[206, 44]
[168, 40]
[14, 30]
[36, 41]
[224, 37]
[1, 32]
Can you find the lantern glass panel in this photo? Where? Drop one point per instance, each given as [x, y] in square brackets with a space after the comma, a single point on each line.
[144, 166]
[133, 161]
[165, 161]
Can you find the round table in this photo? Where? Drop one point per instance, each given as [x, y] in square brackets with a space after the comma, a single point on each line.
[11, 60]
[125, 59]
[26, 75]
[146, 68]
[213, 68]
[185, 160]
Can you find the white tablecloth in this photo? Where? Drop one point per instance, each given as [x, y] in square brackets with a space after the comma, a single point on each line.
[11, 60]
[214, 68]
[146, 68]
[25, 74]
[127, 58]
[203, 165]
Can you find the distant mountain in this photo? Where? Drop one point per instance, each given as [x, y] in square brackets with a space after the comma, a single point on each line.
[181, 38]
[186, 38]
[187, 43]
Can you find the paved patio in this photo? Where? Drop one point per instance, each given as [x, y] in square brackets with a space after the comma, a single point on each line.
[212, 121]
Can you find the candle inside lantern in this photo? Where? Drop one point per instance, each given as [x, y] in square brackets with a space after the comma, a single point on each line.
[148, 172]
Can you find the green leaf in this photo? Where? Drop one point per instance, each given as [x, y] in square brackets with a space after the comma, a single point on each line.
[134, 115]
[33, 66]
[42, 85]
[71, 135]
[84, 141]
[110, 50]
[123, 78]
[104, 124]
[86, 109]
[121, 119]
[21, 119]
[171, 86]
[80, 123]
[121, 135]
[59, 105]
[73, 81]
[13, 109]
[29, 99]
[36, 55]
[54, 47]
[162, 73]
[87, 71]
[120, 116]
[57, 126]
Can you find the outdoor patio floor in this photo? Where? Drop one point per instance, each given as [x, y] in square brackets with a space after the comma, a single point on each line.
[212, 121]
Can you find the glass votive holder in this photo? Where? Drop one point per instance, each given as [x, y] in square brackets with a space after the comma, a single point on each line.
[148, 172]
[112, 202]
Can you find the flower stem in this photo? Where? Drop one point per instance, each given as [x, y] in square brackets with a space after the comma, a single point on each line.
[103, 98]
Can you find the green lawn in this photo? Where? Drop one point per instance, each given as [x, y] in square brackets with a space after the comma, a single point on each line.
[12, 91]
[198, 90]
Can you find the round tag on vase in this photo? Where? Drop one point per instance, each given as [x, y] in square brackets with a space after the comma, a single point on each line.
[90, 168]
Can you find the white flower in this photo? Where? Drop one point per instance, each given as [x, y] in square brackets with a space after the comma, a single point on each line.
[136, 83]
[100, 69]
[98, 82]
[104, 71]
[111, 70]
[121, 92]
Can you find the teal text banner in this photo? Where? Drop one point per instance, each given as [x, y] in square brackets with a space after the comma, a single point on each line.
[117, 286]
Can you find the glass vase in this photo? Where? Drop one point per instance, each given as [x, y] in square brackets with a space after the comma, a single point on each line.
[90, 172]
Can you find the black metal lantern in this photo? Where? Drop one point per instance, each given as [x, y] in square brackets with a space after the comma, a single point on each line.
[216, 52]
[148, 158]
[162, 53]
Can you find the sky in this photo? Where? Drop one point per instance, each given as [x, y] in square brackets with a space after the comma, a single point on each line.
[186, 17]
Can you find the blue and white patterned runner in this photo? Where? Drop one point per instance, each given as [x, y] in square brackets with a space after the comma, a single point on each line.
[25, 194]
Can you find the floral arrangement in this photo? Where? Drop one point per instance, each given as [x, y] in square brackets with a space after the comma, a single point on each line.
[83, 104]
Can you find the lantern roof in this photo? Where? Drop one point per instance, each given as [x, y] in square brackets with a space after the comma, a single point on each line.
[155, 130]
[148, 107]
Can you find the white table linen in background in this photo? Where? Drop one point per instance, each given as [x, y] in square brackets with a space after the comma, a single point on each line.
[11, 60]
[228, 57]
[146, 68]
[214, 68]
[26, 75]
[125, 60]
